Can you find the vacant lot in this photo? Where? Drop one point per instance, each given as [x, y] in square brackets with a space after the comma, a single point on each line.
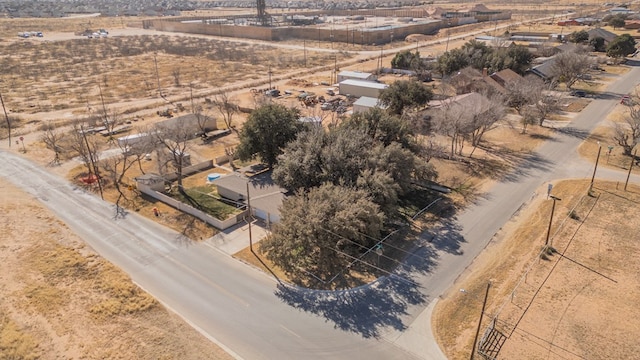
[578, 302]
[61, 300]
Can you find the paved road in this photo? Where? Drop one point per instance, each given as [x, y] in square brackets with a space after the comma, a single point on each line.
[227, 300]
[458, 243]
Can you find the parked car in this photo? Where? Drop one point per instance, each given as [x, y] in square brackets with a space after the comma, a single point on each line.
[579, 93]
[326, 106]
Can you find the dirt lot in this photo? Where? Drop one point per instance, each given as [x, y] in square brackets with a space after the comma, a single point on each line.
[61, 300]
[579, 302]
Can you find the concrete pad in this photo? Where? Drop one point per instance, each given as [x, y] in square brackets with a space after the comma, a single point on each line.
[236, 237]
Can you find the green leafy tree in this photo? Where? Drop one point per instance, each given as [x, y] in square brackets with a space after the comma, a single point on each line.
[597, 44]
[349, 155]
[405, 60]
[405, 95]
[382, 126]
[517, 58]
[621, 46]
[300, 164]
[579, 37]
[322, 230]
[616, 22]
[452, 61]
[267, 131]
[477, 52]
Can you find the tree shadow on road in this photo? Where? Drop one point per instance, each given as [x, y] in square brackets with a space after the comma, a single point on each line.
[365, 310]
[368, 309]
[574, 132]
[512, 166]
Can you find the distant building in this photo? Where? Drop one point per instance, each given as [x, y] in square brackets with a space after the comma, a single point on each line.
[359, 88]
[620, 10]
[632, 24]
[315, 120]
[544, 70]
[365, 103]
[505, 76]
[355, 75]
[608, 36]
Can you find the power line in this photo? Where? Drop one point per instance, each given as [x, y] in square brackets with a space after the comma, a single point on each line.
[373, 266]
[358, 244]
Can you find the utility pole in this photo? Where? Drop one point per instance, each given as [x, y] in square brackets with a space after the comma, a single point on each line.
[335, 69]
[304, 43]
[593, 177]
[249, 222]
[6, 117]
[553, 208]
[633, 159]
[269, 76]
[475, 338]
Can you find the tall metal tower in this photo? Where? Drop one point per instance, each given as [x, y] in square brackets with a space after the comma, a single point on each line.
[262, 13]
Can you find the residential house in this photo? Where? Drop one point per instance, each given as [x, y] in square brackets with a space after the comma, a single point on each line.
[608, 36]
[632, 24]
[265, 197]
[505, 76]
[544, 70]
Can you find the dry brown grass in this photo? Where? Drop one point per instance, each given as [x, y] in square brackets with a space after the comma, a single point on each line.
[16, 343]
[61, 300]
[563, 313]
[603, 135]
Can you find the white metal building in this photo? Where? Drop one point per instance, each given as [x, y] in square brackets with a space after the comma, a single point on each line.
[359, 88]
[355, 75]
[365, 103]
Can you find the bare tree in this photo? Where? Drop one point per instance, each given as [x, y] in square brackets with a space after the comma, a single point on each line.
[628, 133]
[548, 103]
[203, 121]
[88, 148]
[6, 117]
[174, 137]
[52, 138]
[227, 108]
[569, 67]
[522, 94]
[484, 111]
[452, 120]
[176, 76]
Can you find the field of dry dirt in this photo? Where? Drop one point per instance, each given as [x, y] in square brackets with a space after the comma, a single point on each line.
[59, 299]
[578, 302]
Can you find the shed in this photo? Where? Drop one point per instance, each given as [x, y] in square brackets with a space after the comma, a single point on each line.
[360, 88]
[149, 182]
[313, 120]
[355, 75]
[365, 103]
[131, 140]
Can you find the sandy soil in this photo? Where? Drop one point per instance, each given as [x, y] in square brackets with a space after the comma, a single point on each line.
[60, 300]
[580, 305]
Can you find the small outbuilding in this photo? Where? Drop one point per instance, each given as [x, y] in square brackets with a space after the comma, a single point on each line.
[355, 75]
[359, 88]
[150, 182]
[365, 103]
